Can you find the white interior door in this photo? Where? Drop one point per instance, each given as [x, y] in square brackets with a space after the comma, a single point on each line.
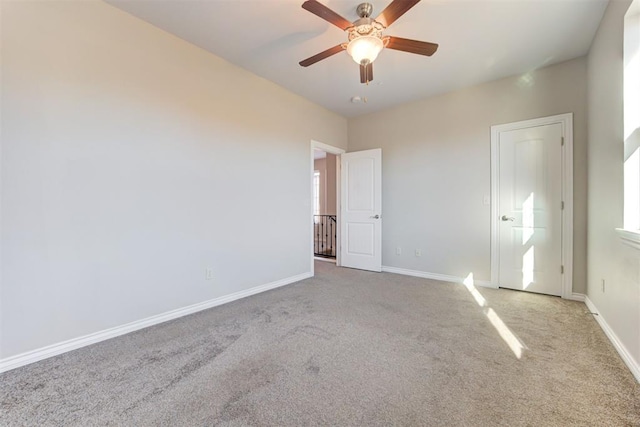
[361, 202]
[530, 209]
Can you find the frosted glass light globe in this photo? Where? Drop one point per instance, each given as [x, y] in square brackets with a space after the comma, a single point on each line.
[365, 48]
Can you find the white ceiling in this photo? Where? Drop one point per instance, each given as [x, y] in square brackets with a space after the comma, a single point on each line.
[480, 41]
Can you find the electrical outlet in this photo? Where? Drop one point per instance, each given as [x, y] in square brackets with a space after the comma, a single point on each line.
[398, 250]
[603, 286]
[418, 252]
[208, 274]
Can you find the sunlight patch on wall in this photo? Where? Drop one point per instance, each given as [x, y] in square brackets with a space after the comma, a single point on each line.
[526, 80]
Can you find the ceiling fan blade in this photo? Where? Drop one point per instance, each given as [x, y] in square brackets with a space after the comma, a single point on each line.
[412, 46]
[327, 14]
[395, 10]
[322, 55]
[366, 73]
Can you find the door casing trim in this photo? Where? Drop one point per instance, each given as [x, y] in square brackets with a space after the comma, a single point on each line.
[566, 121]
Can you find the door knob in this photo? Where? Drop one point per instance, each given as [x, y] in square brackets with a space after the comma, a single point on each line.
[375, 217]
[507, 218]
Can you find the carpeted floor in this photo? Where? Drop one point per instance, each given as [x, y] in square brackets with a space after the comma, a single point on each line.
[344, 348]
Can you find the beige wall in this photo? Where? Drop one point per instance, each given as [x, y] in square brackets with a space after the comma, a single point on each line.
[608, 258]
[327, 169]
[331, 184]
[320, 165]
[133, 161]
[436, 167]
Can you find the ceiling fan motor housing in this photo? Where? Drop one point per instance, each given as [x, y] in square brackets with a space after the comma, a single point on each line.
[364, 10]
[365, 27]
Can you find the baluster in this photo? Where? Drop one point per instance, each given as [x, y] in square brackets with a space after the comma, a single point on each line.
[325, 235]
[322, 234]
[315, 243]
[330, 237]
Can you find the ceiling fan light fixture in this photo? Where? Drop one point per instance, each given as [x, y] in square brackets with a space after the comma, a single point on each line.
[365, 49]
[366, 39]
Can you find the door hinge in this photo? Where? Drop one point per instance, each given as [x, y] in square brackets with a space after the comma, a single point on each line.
[562, 205]
[562, 269]
[562, 140]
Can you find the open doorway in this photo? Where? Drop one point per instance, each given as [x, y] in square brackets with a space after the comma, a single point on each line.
[325, 202]
[325, 214]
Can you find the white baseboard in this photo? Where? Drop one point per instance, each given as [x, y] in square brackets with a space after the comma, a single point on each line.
[319, 258]
[632, 364]
[434, 276]
[576, 297]
[75, 343]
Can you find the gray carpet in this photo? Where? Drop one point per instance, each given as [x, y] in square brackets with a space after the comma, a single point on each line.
[344, 348]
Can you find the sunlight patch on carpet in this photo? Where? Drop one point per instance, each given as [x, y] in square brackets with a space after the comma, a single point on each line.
[514, 343]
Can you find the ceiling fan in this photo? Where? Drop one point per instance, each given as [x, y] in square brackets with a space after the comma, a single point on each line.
[365, 35]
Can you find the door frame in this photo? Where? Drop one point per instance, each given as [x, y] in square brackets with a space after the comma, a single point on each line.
[337, 152]
[566, 120]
